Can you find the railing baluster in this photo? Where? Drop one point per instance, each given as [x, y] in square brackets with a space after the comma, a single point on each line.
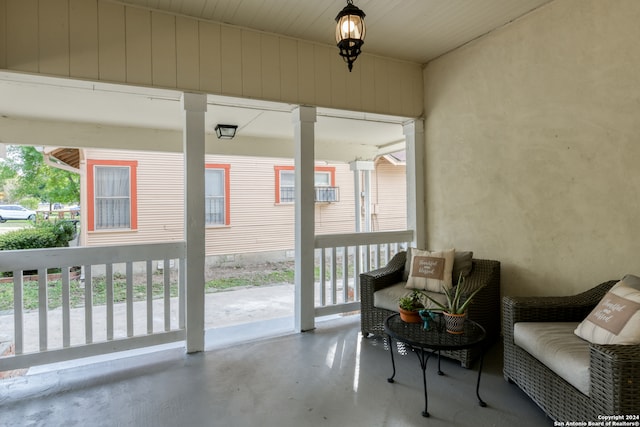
[18, 312]
[129, 272]
[356, 273]
[370, 251]
[181, 293]
[149, 297]
[374, 256]
[109, 300]
[66, 308]
[345, 273]
[334, 279]
[35, 349]
[167, 295]
[42, 308]
[323, 291]
[88, 305]
[367, 265]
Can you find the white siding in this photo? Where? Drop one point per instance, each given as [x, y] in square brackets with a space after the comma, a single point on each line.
[257, 223]
[108, 41]
[389, 195]
[160, 198]
[338, 217]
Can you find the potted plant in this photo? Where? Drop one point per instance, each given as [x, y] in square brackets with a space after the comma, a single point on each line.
[410, 305]
[455, 309]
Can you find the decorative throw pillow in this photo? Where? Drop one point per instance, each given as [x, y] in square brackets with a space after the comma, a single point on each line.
[462, 263]
[616, 318]
[431, 271]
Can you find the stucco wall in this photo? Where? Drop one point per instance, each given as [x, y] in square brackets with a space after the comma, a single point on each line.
[532, 146]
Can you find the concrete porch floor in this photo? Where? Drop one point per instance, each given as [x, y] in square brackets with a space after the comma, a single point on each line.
[328, 377]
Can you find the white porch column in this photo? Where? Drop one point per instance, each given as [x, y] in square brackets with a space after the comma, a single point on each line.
[416, 197]
[362, 188]
[357, 197]
[194, 105]
[304, 119]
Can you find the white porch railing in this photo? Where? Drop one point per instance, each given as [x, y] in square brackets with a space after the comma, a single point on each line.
[97, 326]
[101, 311]
[340, 258]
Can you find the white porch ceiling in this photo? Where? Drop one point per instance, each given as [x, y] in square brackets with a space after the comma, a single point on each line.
[413, 30]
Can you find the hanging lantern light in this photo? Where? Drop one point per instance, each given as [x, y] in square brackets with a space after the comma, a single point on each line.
[350, 32]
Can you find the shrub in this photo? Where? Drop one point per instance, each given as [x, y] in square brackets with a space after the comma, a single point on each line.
[43, 235]
[64, 231]
[28, 238]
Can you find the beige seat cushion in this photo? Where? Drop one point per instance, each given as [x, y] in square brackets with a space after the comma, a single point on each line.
[387, 298]
[558, 348]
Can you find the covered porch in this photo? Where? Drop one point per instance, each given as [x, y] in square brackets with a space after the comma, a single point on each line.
[289, 98]
[340, 136]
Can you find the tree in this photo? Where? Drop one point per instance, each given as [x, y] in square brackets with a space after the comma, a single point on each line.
[31, 177]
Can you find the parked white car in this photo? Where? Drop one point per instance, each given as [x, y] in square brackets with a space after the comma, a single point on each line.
[8, 212]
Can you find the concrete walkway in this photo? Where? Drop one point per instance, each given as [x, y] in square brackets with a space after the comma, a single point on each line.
[223, 310]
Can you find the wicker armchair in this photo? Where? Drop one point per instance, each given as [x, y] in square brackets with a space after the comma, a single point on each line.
[485, 308]
[614, 369]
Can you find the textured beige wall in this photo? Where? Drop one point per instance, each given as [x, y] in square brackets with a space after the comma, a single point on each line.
[533, 142]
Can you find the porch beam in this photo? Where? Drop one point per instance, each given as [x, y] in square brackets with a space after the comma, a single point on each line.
[60, 133]
[22, 131]
[304, 119]
[415, 171]
[194, 106]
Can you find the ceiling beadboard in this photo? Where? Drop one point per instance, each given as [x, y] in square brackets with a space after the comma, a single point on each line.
[412, 30]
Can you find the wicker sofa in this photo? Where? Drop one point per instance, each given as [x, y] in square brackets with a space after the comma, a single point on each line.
[614, 370]
[485, 308]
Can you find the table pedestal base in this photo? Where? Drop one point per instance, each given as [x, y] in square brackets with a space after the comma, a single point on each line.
[423, 357]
